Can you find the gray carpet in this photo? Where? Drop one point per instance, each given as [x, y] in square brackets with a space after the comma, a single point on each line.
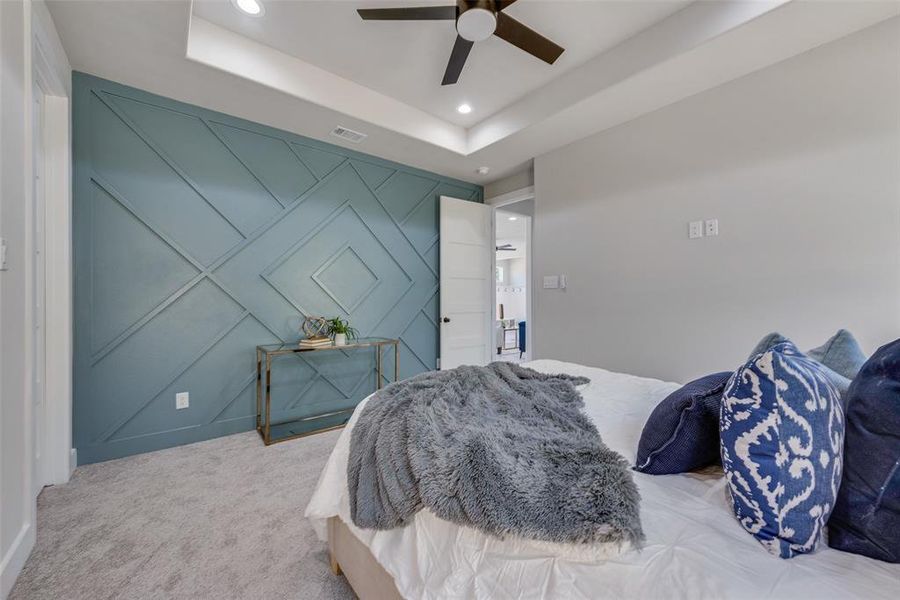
[218, 519]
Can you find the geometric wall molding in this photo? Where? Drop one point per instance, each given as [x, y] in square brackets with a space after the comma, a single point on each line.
[198, 236]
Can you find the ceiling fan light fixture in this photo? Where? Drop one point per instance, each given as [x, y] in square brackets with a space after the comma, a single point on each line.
[476, 21]
[476, 24]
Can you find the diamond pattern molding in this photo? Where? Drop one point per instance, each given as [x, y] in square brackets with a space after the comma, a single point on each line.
[198, 236]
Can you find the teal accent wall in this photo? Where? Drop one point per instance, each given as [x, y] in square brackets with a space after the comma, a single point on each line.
[198, 236]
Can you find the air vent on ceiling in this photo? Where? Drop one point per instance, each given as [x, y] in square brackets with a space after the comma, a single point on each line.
[348, 134]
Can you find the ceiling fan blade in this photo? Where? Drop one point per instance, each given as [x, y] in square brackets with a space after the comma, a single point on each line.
[409, 13]
[527, 39]
[457, 60]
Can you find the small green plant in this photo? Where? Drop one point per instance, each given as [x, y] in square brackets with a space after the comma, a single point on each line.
[339, 325]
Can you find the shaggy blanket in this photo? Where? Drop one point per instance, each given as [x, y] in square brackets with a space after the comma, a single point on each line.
[501, 448]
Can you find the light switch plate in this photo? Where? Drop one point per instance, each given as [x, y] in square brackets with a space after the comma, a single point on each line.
[712, 227]
[182, 400]
[695, 229]
[551, 282]
[2, 254]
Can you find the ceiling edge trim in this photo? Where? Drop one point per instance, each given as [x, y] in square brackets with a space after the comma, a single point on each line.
[221, 49]
[691, 27]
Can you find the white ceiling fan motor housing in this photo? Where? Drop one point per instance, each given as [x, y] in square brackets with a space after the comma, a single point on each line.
[476, 24]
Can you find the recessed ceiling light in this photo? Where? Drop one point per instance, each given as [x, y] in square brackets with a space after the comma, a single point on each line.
[513, 218]
[483, 170]
[464, 109]
[254, 8]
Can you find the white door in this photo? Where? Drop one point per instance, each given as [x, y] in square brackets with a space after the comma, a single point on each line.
[466, 280]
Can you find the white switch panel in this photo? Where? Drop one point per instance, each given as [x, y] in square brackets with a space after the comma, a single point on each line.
[551, 282]
[562, 282]
[695, 229]
[182, 400]
[2, 254]
[712, 227]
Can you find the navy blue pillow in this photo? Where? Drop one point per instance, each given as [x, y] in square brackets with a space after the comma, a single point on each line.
[866, 517]
[682, 433]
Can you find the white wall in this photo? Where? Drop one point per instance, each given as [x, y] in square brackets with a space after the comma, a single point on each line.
[511, 293]
[523, 207]
[515, 273]
[17, 502]
[511, 183]
[800, 163]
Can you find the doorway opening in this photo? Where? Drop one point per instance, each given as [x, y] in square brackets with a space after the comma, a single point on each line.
[512, 274]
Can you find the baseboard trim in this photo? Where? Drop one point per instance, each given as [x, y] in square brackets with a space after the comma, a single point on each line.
[15, 559]
[113, 449]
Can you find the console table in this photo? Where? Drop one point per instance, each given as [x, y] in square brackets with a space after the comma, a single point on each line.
[294, 428]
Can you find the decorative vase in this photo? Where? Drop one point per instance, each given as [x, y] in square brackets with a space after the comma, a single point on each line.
[340, 339]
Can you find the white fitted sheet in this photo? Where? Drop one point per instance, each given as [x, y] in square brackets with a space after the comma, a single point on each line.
[694, 546]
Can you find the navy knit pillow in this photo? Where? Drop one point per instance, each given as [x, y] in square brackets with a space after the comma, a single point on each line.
[866, 517]
[682, 433]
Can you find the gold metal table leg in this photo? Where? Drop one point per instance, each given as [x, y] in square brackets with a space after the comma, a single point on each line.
[258, 388]
[378, 373]
[266, 437]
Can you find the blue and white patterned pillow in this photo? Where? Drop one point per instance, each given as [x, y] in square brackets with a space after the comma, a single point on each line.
[782, 436]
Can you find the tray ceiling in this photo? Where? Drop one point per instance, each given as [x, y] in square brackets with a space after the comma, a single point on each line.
[406, 59]
[308, 66]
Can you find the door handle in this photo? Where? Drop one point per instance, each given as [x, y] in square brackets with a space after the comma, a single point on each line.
[446, 319]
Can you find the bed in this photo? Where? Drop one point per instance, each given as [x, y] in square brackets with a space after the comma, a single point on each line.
[694, 547]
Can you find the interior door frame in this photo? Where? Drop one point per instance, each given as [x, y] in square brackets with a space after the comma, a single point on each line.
[498, 202]
[48, 60]
[38, 289]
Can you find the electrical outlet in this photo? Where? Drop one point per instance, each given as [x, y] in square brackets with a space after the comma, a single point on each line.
[712, 227]
[182, 400]
[695, 229]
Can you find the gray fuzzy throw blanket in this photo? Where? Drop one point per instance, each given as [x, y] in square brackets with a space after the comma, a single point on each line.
[501, 448]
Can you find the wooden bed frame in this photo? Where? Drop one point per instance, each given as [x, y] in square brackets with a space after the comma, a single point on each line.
[352, 558]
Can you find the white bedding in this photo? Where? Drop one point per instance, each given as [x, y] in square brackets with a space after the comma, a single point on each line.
[694, 546]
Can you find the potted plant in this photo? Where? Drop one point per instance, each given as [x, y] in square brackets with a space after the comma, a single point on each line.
[341, 331]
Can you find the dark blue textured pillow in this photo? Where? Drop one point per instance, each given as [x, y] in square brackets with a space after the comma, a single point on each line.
[866, 517]
[682, 433]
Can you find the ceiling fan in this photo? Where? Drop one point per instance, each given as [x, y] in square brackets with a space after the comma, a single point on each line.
[505, 248]
[476, 20]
